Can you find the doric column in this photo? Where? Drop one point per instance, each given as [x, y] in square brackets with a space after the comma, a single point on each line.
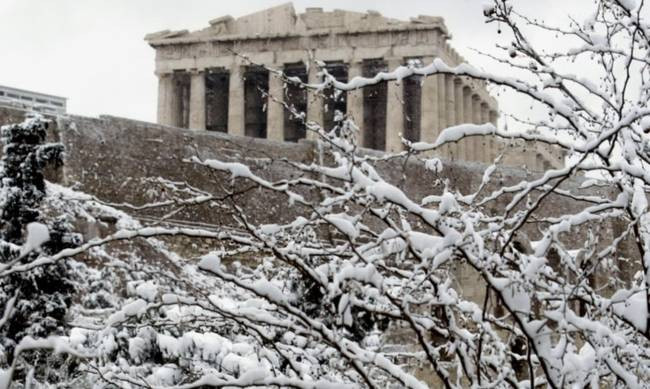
[315, 107]
[197, 101]
[476, 119]
[442, 112]
[355, 100]
[485, 113]
[494, 116]
[476, 109]
[394, 111]
[451, 111]
[461, 152]
[165, 99]
[470, 143]
[274, 108]
[497, 144]
[489, 141]
[430, 108]
[459, 102]
[236, 101]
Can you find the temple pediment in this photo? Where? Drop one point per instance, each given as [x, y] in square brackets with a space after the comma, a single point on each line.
[283, 20]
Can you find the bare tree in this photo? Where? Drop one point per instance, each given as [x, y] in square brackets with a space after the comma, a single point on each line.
[564, 292]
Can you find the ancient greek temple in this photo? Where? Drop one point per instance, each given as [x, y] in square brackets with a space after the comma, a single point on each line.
[216, 79]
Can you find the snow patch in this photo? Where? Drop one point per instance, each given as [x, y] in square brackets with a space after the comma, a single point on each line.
[37, 234]
[632, 306]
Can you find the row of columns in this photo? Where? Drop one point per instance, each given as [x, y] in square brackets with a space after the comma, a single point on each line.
[446, 100]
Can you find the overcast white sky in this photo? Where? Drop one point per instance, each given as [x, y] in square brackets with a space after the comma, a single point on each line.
[93, 52]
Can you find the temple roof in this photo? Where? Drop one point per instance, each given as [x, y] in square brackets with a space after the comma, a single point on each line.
[282, 21]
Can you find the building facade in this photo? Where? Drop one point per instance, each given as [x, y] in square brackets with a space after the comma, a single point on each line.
[35, 101]
[216, 79]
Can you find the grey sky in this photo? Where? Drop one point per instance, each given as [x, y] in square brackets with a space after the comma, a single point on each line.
[92, 51]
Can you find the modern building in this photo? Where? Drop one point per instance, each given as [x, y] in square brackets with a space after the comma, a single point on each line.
[36, 101]
[216, 79]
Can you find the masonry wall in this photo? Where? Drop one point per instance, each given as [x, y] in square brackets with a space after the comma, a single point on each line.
[121, 160]
[118, 160]
[124, 161]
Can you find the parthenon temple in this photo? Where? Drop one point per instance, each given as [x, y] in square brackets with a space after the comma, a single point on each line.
[217, 79]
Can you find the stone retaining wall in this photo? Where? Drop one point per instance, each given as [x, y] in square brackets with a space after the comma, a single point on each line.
[120, 160]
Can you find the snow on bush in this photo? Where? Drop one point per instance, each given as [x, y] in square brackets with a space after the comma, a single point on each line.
[371, 284]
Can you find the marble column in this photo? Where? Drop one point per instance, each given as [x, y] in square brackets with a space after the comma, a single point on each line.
[430, 108]
[451, 111]
[485, 113]
[197, 101]
[497, 143]
[480, 155]
[394, 111]
[476, 109]
[460, 116]
[236, 101]
[489, 140]
[355, 100]
[165, 99]
[442, 112]
[274, 107]
[315, 106]
[470, 143]
[494, 117]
